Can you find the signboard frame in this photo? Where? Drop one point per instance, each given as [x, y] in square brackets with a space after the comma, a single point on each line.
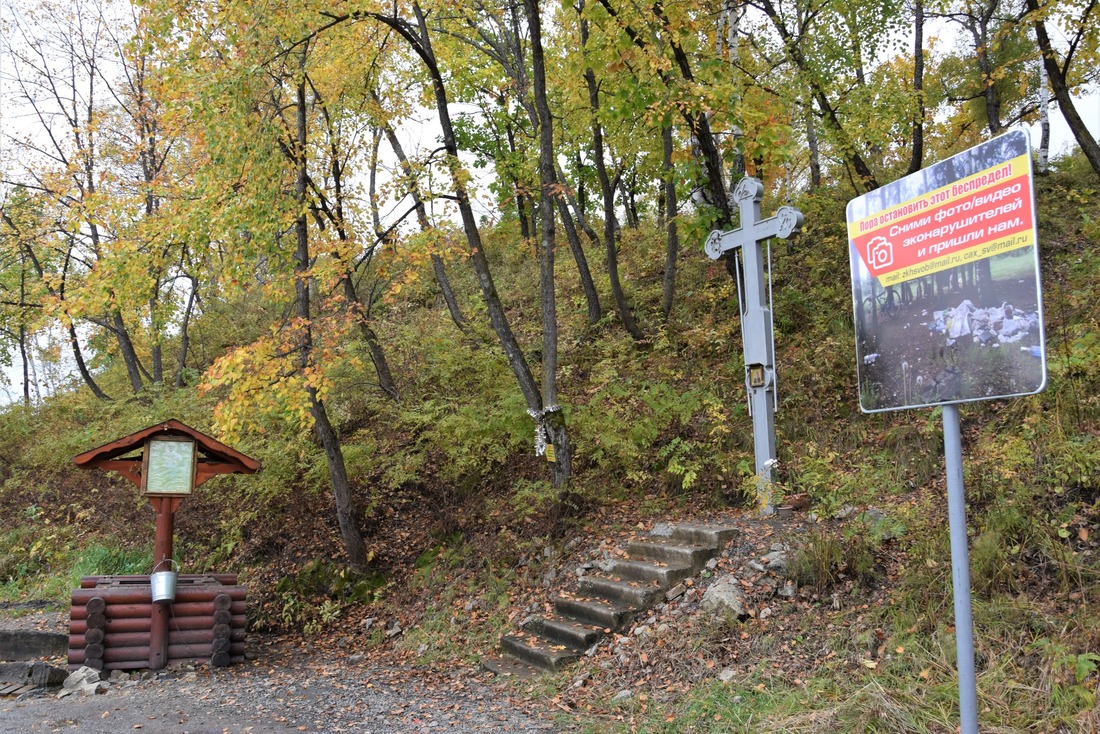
[972, 213]
[154, 482]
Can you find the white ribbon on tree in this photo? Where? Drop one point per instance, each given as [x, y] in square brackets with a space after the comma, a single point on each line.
[541, 437]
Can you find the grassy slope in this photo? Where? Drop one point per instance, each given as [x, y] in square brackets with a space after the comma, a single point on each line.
[456, 507]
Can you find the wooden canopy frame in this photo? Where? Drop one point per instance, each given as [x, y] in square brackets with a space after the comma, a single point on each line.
[214, 456]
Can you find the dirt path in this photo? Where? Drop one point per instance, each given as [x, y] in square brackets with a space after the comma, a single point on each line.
[281, 689]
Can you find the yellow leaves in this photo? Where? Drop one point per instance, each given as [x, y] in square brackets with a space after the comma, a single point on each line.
[271, 380]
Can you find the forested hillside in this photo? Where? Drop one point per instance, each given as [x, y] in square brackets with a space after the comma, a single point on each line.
[404, 254]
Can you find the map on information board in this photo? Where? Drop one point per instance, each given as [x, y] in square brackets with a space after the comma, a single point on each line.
[945, 282]
[169, 467]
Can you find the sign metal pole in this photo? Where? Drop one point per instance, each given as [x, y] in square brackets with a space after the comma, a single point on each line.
[960, 570]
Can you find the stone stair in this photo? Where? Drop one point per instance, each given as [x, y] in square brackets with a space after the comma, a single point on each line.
[608, 601]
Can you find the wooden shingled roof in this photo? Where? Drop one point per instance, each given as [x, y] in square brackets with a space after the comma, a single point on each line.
[214, 456]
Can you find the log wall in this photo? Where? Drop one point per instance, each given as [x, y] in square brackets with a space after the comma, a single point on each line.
[111, 627]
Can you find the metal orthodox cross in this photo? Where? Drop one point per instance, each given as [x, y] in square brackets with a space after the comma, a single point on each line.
[757, 333]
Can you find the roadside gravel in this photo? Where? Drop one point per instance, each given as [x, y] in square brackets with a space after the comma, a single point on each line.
[283, 688]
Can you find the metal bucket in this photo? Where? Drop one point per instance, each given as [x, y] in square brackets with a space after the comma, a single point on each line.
[163, 584]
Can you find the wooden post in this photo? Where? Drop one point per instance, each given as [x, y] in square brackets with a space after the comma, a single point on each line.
[165, 508]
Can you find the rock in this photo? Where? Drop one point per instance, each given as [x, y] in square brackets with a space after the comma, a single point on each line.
[844, 512]
[31, 644]
[394, 629]
[712, 564]
[422, 649]
[726, 675]
[725, 600]
[581, 571]
[548, 552]
[757, 566]
[765, 612]
[622, 696]
[661, 530]
[675, 592]
[119, 676]
[84, 680]
[787, 590]
[367, 623]
[641, 631]
[356, 658]
[776, 560]
[874, 515]
[34, 674]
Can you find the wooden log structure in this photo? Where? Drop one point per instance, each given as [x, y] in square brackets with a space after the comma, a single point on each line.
[112, 619]
[225, 579]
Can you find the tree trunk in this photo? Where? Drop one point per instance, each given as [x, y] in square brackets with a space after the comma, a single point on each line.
[377, 355]
[916, 159]
[812, 144]
[420, 41]
[556, 429]
[129, 355]
[591, 297]
[1058, 85]
[157, 350]
[82, 367]
[26, 365]
[185, 337]
[426, 226]
[1044, 119]
[346, 514]
[608, 192]
[697, 123]
[673, 245]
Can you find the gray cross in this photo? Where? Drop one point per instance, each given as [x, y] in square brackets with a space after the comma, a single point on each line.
[757, 332]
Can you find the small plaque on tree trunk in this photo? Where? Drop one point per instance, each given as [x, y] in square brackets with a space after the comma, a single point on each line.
[550, 455]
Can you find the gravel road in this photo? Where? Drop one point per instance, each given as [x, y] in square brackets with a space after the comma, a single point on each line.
[282, 689]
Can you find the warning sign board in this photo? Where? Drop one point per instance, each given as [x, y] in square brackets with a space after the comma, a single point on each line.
[947, 258]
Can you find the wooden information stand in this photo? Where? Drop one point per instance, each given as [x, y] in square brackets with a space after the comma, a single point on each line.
[167, 461]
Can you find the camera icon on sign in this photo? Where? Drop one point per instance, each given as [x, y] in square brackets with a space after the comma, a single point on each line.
[880, 253]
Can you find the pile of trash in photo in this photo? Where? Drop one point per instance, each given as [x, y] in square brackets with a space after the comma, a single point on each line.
[987, 327]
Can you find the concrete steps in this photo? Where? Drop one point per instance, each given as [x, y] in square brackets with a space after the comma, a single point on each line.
[596, 612]
[573, 633]
[610, 601]
[537, 651]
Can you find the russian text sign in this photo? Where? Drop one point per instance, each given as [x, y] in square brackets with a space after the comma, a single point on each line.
[945, 282]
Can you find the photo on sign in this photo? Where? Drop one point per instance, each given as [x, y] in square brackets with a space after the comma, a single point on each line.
[945, 282]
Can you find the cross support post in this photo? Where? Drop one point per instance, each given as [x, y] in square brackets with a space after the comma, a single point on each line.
[757, 331]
